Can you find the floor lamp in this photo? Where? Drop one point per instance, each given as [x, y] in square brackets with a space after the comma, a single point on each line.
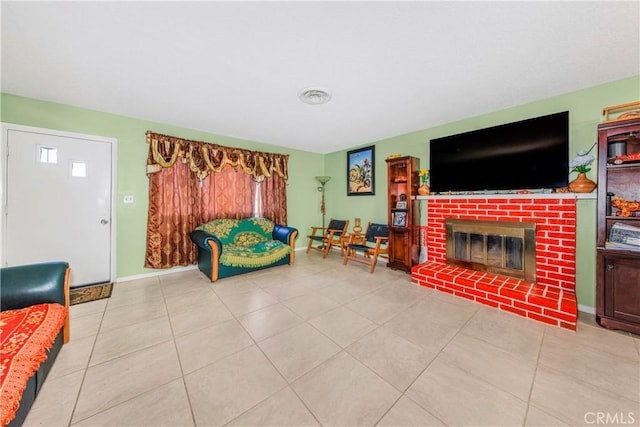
[322, 180]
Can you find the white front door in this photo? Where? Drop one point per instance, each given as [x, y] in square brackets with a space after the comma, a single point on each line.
[58, 193]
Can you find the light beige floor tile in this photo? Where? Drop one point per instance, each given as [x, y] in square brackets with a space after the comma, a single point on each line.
[508, 372]
[298, 350]
[128, 339]
[396, 360]
[617, 344]
[310, 305]
[247, 302]
[234, 285]
[191, 275]
[118, 380]
[84, 326]
[538, 418]
[56, 401]
[343, 291]
[418, 327]
[507, 331]
[342, 392]
[443, 311]
[188, 321]
[407, 413]
[318, 280]
[179, 287]
[224, 390]
[343, 326]
[457, 398]
[166, 405]
[205, 346]
[384, 303]
[194, 299]
[127, 315]
[269, 321]
[283, 291]
[573, 401]
[135, 292]
[86, 308]
[580, 373]
[592, 364]
[282, 409]
[74, 356]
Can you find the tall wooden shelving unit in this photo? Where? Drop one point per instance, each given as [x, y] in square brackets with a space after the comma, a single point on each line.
[618, 270]
[403, 218]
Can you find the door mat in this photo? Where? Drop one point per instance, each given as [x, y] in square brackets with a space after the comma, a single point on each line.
[89, 293]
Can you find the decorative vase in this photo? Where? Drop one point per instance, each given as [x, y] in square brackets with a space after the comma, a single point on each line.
[424, 190]
[582, 184]
[357, 229]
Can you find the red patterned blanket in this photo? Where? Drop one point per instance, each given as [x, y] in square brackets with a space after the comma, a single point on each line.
[25, 335]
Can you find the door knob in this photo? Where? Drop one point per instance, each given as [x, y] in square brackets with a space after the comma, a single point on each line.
[104, 221]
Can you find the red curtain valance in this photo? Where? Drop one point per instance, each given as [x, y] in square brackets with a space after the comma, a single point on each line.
[204, 158]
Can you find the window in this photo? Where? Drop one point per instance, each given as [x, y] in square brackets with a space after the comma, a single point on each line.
[79, 169]
[48, 155]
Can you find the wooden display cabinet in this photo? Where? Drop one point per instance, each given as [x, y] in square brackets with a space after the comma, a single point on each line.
[403, 212]
[617, 268]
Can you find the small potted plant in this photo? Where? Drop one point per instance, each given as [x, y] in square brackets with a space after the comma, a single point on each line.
[424, 190]
[580, 164]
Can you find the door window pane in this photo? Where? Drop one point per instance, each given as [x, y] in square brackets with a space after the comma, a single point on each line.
[79, 169]
[48, 155]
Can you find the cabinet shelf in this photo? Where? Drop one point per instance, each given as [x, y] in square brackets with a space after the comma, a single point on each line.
[622, 218]
[402, 186]
[617, 269]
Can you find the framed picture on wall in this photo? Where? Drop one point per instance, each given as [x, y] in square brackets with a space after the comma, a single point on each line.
[401, 205]
[361, 172]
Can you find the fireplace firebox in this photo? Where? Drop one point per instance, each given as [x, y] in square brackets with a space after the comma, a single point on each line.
[500, 247]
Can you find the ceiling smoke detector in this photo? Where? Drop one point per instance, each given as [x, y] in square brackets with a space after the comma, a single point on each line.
[314, 96]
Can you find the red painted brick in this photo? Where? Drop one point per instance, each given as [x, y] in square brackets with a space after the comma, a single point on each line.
[487, 302]
[544, 319]
[515, 310]
[559, 315]
[528, 307]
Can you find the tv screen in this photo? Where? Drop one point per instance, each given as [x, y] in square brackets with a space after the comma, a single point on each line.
[531, 154]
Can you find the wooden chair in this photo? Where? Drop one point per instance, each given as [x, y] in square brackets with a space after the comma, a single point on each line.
[327, 237]
[371, 245]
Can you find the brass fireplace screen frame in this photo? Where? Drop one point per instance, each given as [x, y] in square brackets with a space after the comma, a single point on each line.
[502, 230]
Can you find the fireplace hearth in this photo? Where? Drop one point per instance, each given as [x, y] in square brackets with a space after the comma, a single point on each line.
[500, 247]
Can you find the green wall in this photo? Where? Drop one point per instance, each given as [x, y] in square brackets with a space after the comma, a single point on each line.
[131, 219]
[585, 108]
[585, 113]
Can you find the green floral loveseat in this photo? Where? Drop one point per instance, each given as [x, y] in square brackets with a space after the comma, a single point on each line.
[227, 247]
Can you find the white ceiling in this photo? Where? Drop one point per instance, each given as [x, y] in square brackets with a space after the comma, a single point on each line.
[235, 68]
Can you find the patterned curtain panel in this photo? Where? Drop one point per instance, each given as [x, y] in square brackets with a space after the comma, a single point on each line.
[184, 194]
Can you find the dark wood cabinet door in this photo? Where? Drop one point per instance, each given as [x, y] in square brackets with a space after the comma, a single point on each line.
[622, 288]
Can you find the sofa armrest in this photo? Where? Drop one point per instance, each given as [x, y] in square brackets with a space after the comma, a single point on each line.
[32, 284]
[202, 239]
[285, 234]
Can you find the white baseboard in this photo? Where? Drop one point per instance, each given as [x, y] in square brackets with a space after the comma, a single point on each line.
[586, 309]
[156, 273]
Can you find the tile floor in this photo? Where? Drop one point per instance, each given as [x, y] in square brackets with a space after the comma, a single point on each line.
[320, 343]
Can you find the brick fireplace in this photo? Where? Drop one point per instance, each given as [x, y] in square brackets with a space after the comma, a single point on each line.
[550, 298]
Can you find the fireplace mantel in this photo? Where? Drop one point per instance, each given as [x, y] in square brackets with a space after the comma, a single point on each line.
[579, 196]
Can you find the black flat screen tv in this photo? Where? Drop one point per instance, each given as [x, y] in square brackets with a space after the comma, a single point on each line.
[531, 154]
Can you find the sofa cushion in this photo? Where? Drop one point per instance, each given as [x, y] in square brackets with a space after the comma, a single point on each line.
[241, 232]
[27, 334]
[259, 255]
